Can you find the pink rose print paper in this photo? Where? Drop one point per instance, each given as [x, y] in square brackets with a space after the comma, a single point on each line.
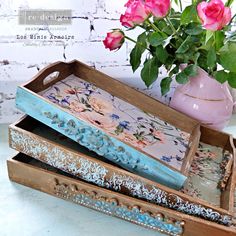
[121, 120]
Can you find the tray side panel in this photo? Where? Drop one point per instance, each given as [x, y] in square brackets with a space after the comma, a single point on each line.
[130, 209]
[228, 198]
[225, 141]
[196, 134]
[85, 195]
[97, 141]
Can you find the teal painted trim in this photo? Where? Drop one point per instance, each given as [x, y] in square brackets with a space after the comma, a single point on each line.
[97, 140]
[160, 222]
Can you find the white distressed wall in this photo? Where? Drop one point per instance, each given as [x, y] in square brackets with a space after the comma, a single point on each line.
[21, 59]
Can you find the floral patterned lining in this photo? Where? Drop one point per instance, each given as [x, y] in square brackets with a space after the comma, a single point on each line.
[120, 119]
[206, 173]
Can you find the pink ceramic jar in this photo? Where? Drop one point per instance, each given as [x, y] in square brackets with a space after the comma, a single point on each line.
[204, 99]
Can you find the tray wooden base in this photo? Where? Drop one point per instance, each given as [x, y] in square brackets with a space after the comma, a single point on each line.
[32, 173]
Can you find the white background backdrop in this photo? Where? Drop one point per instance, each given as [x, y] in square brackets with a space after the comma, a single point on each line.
[21, 59]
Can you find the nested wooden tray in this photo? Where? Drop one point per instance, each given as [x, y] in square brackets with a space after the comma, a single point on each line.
[125, 126]
[30, 172]
[202, 199]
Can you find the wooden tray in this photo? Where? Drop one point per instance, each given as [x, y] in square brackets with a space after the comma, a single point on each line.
[35, 174]
[125, 126]
[41, 142]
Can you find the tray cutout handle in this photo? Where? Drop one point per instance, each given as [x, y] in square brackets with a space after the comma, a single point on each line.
[51, 77]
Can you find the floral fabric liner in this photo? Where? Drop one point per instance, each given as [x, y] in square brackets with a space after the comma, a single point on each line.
[121, 120]
[206, 173]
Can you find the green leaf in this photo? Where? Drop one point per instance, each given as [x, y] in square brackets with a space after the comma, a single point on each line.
[193, 28]
[202, 60]
[160, 23]
[163, 26]
[161, 54]
[232, 79]
[150, 71]
[228, 56]
[137, 51]
[189, 14]
[211, 58]
[174, 71]
[156, 39]
[165, 85]
[195, 57]
[176, 2]
[187, 57]
[229, 3]
[175, 22]
[209, 35]
[184, 46]
[169, 63]
[167, 30]
[142, 39]
[182, 78]
[219, 39]
[221, 76]
[135, 57]
[167, 41]
[190, 70]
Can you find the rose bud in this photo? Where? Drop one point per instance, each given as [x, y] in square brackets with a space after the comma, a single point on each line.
[114, 39]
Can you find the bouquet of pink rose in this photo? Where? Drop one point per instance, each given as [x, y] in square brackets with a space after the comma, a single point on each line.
[198, 36]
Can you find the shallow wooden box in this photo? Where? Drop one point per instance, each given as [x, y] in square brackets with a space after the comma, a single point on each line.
[32, 173]
[41, 98]
[35, 139]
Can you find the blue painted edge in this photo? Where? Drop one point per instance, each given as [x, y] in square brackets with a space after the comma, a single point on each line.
[159, 223]
[97, 140]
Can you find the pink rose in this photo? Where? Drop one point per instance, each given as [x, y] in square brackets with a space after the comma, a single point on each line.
[129, 3]
[100, 121]
[126, 21]
[77, 107]
[128, 137]
[136, 13]
[100, 105]
[158, 134]
[114, 40]
[214, 15]
[159, 8]
[143, 143]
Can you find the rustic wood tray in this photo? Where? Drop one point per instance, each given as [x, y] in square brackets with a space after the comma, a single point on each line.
[149, 139]
[32, 173]
[35, 139]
